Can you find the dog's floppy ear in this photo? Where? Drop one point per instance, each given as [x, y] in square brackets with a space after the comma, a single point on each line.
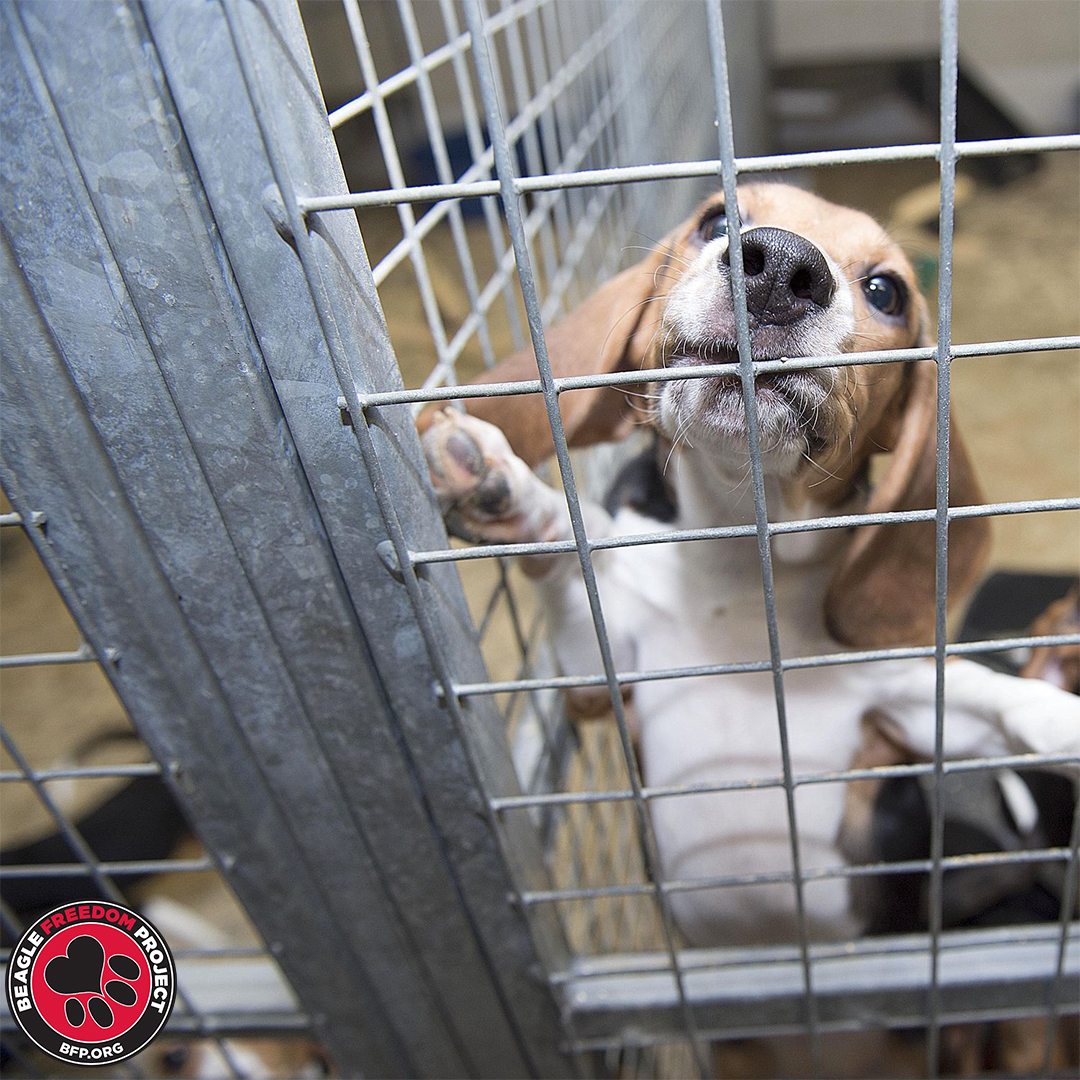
[611, 331]
[883, 593]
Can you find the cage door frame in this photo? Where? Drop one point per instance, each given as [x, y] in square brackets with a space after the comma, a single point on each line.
[172, 410]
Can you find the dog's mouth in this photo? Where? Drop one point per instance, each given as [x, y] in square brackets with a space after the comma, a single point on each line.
[791, 386]
[686, 351]
[790, 405]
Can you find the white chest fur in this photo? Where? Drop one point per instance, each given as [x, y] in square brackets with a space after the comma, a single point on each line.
[688, 604]
[697, 603]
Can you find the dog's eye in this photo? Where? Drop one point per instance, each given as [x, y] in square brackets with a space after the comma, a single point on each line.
[714, 226]
[884, 293]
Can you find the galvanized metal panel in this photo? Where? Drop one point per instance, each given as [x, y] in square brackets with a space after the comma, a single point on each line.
[275, 627]
[742, 993]
[125, 262]
[101, 559]
[130, 386]
[253, 221]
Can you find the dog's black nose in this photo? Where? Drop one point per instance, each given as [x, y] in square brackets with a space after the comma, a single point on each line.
[785, 275]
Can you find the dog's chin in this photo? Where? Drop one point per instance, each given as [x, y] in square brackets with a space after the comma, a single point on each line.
[793, 415]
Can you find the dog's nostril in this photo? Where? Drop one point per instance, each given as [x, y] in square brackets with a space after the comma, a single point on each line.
[753, 260]
[802, 284]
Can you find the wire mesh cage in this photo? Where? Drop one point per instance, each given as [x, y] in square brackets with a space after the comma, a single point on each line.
[405, 750]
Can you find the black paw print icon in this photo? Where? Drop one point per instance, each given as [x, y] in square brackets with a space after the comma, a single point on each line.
[81, 971]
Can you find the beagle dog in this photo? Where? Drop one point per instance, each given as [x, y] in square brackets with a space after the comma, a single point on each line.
[821, 280]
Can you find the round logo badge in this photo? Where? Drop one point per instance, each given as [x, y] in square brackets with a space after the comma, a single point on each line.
[91, 983]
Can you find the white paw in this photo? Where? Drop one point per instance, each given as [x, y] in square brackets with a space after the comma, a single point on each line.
[481, 485]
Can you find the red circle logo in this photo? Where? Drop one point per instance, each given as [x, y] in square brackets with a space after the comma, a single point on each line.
[91, 983]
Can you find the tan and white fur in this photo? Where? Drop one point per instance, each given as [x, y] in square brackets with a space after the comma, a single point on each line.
[672, 605]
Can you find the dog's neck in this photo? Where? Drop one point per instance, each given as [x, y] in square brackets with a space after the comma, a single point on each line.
[713, 492]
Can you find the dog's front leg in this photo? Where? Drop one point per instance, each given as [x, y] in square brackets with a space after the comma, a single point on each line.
[987, 713]
[489, 495]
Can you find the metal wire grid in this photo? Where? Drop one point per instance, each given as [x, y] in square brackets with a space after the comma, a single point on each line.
[189, 1019]
[573, 114]
[574, 38]
[593, 109]
[525, 220]
[577, 100]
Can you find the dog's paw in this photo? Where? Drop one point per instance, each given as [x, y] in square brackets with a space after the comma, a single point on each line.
[481, 485]
[469, 464]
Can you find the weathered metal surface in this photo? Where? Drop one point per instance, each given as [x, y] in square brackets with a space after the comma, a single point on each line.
[151, 299]
[742, 993]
